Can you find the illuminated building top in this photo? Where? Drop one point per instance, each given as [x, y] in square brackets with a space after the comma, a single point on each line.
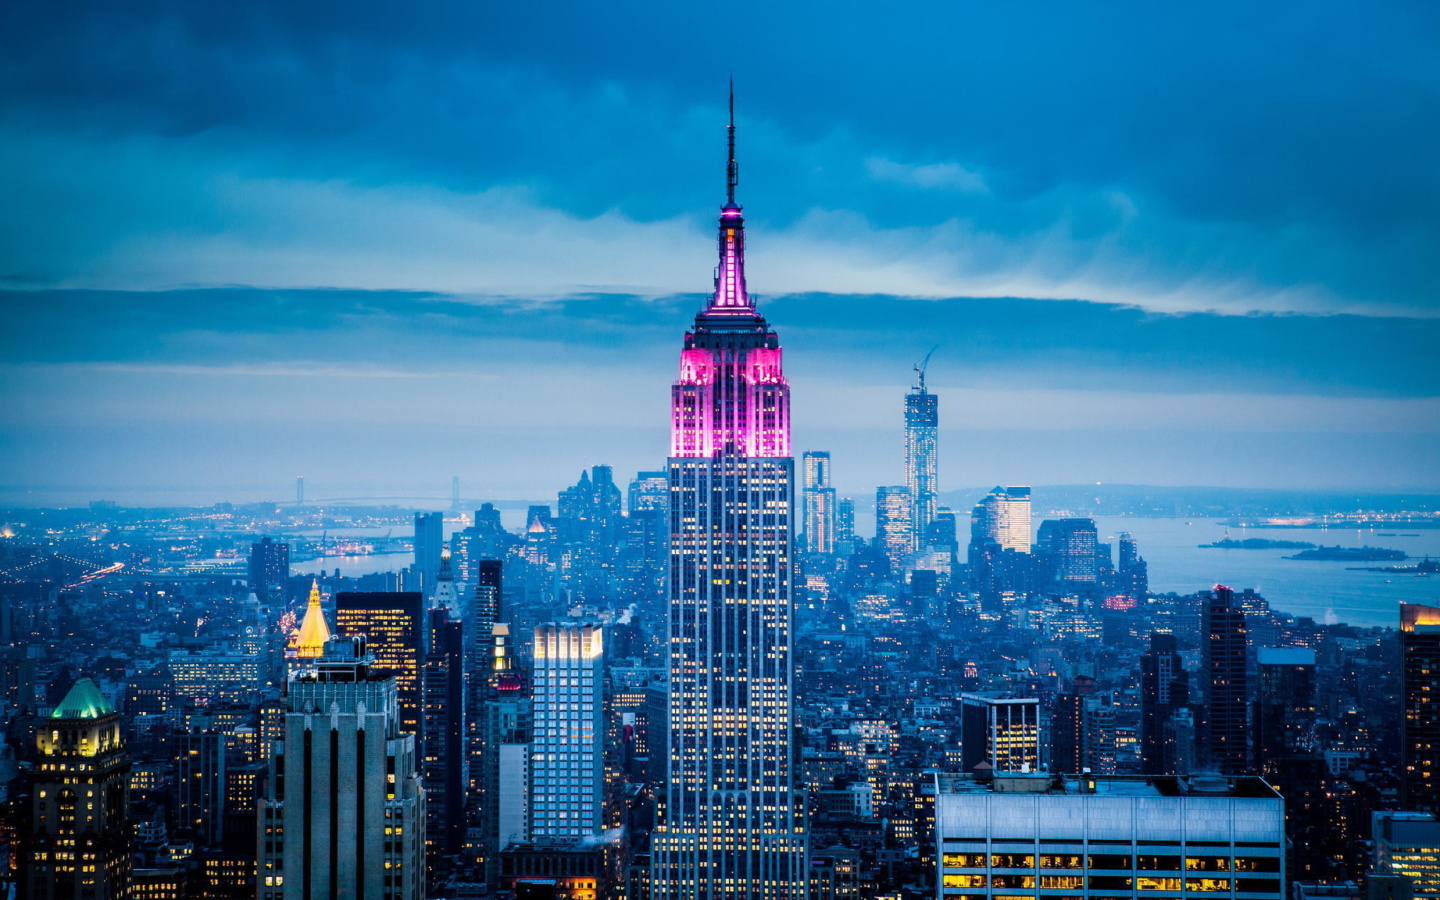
[309, 641]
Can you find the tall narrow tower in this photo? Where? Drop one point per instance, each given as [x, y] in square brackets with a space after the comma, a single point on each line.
[733, 823]
[922, 426]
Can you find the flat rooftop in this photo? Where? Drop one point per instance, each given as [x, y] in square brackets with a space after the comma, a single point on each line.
[1193, 786]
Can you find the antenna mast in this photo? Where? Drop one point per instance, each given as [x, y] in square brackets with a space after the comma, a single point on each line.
[732, 170]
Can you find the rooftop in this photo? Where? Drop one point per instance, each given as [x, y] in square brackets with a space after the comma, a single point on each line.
[1195, 786]
[84, 701]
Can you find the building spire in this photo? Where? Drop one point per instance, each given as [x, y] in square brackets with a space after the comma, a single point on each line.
[732, 170]
[731, 297]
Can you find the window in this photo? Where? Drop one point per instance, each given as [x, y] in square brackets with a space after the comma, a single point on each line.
[1012, 861]
[1061, 861]
[1158, 863]
[964, 861]
[1157, 883]
[1258, 885]
[1062, 882]
[1109, 861]
[1109, 883]
[1207, 884]
[1012, 882]
[1257, 863]
[1207, 863]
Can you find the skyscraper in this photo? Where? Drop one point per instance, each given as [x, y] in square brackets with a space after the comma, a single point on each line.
[1003, 516]
[429, 539]
[895, 524]
[1284, 706]
[444, 761]
[1068, 548]
[1164, 688]
[568, 759]
[1001, 731]
[269, 568]
[922, 428]
[817, 502]
[77, 840]
[1420, 687]
[732, 820]
[1226, 726]
[345, 814]
[393, 624]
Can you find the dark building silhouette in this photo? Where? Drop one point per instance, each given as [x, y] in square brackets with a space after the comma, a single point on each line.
[76, 840]
[1001, 731]
[1164, 688]
[1067, 727]
[394, 628]
[429, 542]
[1227, 721]
[269, 569]
[1284, 706]
[1420, 727]
[443, 760]
[1132, 575]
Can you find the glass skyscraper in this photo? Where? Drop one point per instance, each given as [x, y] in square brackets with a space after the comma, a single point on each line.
[732, 822]
[922, 452]
[567, 764]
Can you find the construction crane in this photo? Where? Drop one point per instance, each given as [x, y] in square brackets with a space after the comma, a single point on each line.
[920, 369]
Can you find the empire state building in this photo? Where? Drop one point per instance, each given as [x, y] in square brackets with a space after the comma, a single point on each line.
[732, 823]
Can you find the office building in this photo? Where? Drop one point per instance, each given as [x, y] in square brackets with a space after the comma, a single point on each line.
[1003, 516]
[817, 502]
[444, 763]
[1067, 727]
[845, 541]
[1132, 574]
[1284, 713]
[1003, 732]
[922, 454]
[567, 772]
[1069, 549]
[1164, 688]
[393, 625]
[895, 525]
[732, 823]
[200, 785]
[1226, 725]
[1110, 836]
[1420, 688]
[344, 814]
[75, 842]
[268, 570]
[503, 767]
[429, 541]
[1408, 844]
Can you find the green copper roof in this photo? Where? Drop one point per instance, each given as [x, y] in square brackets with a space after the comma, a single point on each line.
[84, 701]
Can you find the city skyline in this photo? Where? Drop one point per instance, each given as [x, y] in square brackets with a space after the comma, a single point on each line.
[1156, 289]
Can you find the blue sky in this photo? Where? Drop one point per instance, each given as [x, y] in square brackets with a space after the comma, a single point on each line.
[380, 245]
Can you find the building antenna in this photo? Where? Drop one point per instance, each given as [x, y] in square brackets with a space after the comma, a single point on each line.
[732, 170]
[920, 369]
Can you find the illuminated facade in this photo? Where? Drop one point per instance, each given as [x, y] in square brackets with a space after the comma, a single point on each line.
[567, 762]
[732, 820]
[1004, 732]
[1109, 836]
[393, 626]
[77, 840]
[1408, 844]
[817, 502]
[1003, 516]
[922, 454]
[895, 524]
[1420, 684]
[344, 815]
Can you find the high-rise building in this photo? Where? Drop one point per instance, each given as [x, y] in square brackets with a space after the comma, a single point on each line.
[504, 813]
[444, 764]
[648, 490]
[895, 524]
[1164, 688]
[429, 541]
[1420, 688]
[445, 593]
[1001, 731]
[307, 643]
[344, 813]
[1408, 844]
[269, 569]
[1284, 706]
[393, 625]
[817, 502]
[1132, 575]
[567, 772]
[1110, 836]
[1067, 727]
[1226, 726]
[922, 454]
[76, 841]
[845, 525]
[200, 785]
[1068, 547]
[732, 823]
[1003, 516]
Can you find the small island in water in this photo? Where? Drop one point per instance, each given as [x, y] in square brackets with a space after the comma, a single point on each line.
[1257, 544]
[1350, 554]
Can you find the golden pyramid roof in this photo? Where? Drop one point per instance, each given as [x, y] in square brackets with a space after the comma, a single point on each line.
[309, 641]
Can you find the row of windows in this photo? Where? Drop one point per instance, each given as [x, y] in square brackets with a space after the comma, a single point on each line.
[1110, 883]
[1144, 862]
